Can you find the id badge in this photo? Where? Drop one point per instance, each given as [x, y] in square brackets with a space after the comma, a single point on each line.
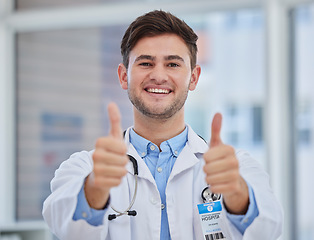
[210, 214]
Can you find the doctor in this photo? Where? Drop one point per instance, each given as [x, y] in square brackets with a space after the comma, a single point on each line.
[174, 164]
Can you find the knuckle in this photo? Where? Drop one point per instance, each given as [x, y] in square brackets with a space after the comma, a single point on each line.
[99, 142]
[234, 162]
[116, 141]
[206, 156]
[206, 168]
[116, 182]
[229, 149]
[98, 171]
[123, 147]
[96, 155]
[125, 160]
[121, 173]
[124, 172]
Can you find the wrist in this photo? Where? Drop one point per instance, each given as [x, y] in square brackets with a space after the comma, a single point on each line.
[238, 202]
[97, 198]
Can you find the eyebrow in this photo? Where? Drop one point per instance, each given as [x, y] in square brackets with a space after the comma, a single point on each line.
[145, 57]
[174, 57]
[167, 58]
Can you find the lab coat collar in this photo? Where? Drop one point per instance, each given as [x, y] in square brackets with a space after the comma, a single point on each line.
[186, 159]
[196, 143]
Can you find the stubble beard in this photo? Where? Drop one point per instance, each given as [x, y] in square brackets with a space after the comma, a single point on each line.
[164, 114]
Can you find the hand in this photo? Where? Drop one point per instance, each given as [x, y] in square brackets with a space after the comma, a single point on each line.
[222, 172]
[110, 161]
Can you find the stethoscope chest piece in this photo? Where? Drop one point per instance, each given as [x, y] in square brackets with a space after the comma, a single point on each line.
[208, 196]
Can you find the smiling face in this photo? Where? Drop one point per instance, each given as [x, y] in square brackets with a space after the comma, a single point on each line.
[159, 76]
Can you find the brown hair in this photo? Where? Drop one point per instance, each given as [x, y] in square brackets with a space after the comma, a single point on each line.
[156, 23]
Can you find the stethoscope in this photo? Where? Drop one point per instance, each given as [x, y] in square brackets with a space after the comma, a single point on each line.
[127, 211]
[207, 196]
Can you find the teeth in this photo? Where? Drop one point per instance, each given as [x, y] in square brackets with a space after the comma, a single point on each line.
[157, 90]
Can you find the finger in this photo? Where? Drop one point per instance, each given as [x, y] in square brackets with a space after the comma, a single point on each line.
[107, 182]
[215, 139]
[219, 152]
[109, 171]
[222, 188]
[105, 157]
[115, 121]
[221, 165]
[111, 145]
[222, 177]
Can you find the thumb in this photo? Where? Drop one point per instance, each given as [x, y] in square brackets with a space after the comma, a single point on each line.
[215, 139]
[115, 129]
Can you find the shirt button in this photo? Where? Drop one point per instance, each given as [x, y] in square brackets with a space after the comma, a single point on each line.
[152, 147]
[176, 152]
[84, 214]
[159, 169]
[162, 206]
[143, 154]
[245, 220]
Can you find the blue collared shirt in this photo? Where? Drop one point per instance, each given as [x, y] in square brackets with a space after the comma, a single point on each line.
[160, 163]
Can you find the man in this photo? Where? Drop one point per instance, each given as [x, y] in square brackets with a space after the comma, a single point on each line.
[175, 166]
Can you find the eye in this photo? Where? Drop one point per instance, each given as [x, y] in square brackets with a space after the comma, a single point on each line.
[173, 65]
[145, 64]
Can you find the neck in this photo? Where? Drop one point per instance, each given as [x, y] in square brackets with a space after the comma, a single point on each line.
[158, 130]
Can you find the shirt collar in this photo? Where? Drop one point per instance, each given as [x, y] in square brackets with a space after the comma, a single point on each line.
[176, 143]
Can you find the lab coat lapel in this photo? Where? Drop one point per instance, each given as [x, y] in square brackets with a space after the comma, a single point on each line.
[185, 160]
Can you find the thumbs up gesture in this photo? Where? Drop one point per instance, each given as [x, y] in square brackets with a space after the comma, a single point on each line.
[109, 160]
[222, 171]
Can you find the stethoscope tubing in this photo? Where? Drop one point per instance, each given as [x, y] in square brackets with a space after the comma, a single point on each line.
[127, 211]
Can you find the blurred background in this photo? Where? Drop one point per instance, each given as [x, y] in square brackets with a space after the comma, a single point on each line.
[58, 64]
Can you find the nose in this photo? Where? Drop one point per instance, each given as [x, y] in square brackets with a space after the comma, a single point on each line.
[159, 73]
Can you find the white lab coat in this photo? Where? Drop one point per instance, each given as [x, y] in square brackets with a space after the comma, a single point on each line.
[183, 193]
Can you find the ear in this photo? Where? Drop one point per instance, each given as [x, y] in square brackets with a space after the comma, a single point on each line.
[123, 76]
[196, 72]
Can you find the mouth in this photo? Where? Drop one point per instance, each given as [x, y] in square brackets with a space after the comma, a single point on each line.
[158, 90]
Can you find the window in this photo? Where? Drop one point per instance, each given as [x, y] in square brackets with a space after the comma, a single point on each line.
[231, 54]
[304, 85]
[65, 79]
